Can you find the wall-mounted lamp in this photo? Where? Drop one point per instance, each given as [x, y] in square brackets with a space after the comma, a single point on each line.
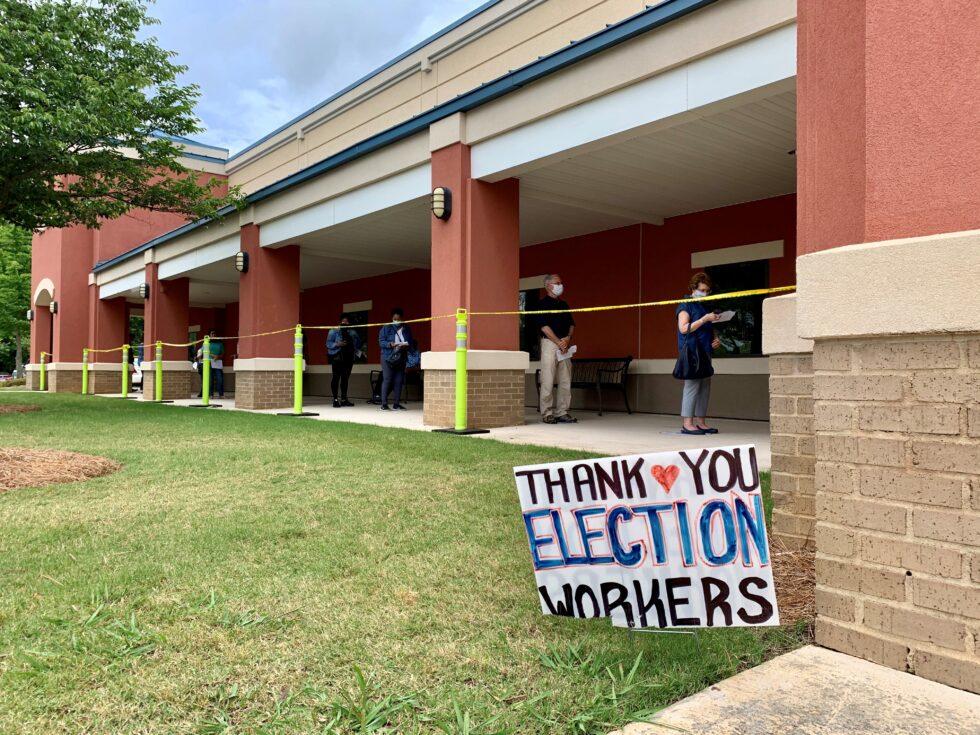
[53, 307]
[144, 291]
[30, 315]
[442, 202]
[241, 261]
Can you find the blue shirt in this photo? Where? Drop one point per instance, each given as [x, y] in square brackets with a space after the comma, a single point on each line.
[704, 334]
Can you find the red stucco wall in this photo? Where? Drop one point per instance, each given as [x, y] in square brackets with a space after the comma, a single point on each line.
[888, 115]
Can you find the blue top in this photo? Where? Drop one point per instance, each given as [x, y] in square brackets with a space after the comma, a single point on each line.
[387, 335]
[334, 336]
[705, 334]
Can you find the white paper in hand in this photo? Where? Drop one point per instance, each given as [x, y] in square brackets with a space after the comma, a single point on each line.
[725, 316]
[562, 356]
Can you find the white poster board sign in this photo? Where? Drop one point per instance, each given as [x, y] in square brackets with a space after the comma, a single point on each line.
[665, 540]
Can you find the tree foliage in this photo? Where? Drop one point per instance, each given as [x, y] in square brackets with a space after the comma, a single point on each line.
[88, 112]
[15, 294]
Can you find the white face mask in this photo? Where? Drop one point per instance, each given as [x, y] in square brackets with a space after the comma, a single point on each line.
[699, 294]
[557, 289]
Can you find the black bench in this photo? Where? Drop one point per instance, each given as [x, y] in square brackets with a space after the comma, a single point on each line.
[598, 373]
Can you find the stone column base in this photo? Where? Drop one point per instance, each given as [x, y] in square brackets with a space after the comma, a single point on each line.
[790, 424]
[32, 377]
[104, 378]
[178, 377]
[897, 419]
[495, 388]
[263, 383]
[65, 377]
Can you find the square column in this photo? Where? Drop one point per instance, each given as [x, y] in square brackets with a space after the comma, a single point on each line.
[475, 265]
[889, 231]
[165, 320]
[269, 298]
[108, 328]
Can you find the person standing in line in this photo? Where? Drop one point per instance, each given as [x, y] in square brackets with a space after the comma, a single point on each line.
[695, 321]
[556, 340]
[343, 347]
[217, 366]
[396, 340]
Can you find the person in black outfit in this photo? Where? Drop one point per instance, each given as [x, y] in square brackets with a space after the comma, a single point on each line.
[343, 347]
[556, 339]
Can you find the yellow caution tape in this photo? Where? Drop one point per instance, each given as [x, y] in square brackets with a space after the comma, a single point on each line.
[516, 312]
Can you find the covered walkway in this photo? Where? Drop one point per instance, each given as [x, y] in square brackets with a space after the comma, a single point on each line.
[611, 434]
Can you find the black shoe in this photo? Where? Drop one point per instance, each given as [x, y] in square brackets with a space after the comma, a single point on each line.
[399, 407]
[549, 420]
[692, 432]
[346, 403]
[384, 407]
[566, 419]
[708, 430]
[336, 403]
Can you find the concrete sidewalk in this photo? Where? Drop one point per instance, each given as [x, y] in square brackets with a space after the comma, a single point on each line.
[815, 691]
[613, 433]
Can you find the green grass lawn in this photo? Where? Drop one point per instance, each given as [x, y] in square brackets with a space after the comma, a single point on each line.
[258, 574]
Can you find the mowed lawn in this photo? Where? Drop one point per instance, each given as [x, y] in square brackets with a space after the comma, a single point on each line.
[260, 574]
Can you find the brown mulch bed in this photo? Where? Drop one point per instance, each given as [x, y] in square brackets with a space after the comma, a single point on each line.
[795, 583]
[17, 408]
[40, 467]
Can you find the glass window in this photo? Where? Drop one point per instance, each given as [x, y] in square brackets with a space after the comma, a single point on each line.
[742, 336]
[530, 336]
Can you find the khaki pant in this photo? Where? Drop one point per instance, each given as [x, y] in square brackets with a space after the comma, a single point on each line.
[549, 368]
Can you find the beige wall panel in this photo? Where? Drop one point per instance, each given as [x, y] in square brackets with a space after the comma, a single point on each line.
[715, 27]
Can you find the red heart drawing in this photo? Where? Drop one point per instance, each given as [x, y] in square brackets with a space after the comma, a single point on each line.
[666, 476]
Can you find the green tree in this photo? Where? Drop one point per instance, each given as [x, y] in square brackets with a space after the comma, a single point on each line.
[15, 293]
[88, 112]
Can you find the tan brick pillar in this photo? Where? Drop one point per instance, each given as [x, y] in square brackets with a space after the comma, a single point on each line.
[790, 423]
[897, 417]
[494, 388]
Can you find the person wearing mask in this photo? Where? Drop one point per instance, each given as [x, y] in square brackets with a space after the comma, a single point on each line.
[695, 321]
[343, 347]
[396, 340]
[556, 340]
[217, 366]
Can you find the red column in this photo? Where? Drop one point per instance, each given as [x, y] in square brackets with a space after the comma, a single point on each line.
[165, 315]
[888, 114]
[41, 334]
[475, 254]
[107, 323]
[269, 296]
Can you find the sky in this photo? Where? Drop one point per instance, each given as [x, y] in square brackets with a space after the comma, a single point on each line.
[259, 63]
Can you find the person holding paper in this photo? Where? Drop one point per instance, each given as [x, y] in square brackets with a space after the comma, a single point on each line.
[343, 347]
[556, 348]
[695, 321]
[395, 339]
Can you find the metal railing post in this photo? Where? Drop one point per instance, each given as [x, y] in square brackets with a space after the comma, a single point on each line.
[85, 371]
[298, 375]
[461, 341]
[158, 374]
[125, 372]
[43, 380]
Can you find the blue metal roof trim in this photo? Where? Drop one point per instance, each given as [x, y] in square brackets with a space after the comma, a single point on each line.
[182, 139]
[438, 34]
[642, 22]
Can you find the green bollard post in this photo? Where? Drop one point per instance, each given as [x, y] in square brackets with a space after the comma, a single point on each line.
[85, 371]
[461, 384]
[298, 376]
[125, 372]
[43, 380]
[206, 377]
[158, 376]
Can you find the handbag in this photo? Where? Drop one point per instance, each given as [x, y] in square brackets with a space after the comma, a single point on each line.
[693, 361]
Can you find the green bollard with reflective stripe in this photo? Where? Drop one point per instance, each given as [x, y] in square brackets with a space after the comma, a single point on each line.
[206, 373]
[158, 375]
[298, 375]
[43, 380]
[85, 371]
[125, 372]
[461, 370]
[462, 339]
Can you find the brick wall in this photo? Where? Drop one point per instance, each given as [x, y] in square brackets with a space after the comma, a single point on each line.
[177, 384]
[494, 398]
[262, 389]
[897, 477]
[104, 381]
[791, 430]
[33, 379]
[65, 381]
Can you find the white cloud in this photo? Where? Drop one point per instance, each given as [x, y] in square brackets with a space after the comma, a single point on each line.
[260, 63]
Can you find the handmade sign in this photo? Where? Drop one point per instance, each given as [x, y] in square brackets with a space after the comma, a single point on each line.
[667, 540]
